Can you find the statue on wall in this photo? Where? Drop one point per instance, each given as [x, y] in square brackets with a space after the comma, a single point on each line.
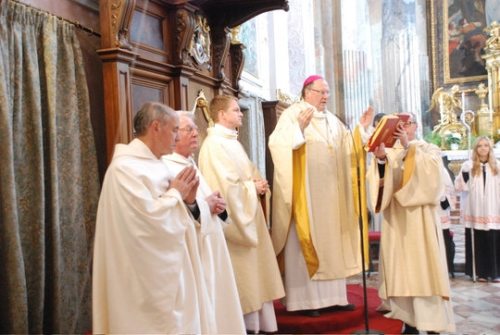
[493, 42]
[451, 131]
[447, 103]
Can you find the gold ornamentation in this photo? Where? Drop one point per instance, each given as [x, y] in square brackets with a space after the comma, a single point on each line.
[455, 166]
[448, 125]
[285, 97]
[202, 103]
[121, 12]
[235, 35]
[481, 92]
[115, 11]
[493, 42]
[489, 115]
[446, 102]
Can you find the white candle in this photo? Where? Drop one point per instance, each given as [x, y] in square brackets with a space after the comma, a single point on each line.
[463, 101]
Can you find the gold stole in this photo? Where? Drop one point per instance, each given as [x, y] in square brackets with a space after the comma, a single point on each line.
[359, 190]
[300, 211]
[409, 165]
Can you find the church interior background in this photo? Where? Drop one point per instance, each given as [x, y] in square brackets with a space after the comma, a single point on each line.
[393, 55]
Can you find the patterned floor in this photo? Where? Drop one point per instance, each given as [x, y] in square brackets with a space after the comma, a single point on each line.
[476, 305]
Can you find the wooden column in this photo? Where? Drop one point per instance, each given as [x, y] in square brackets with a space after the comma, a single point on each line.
[116, 54]
[117, 105]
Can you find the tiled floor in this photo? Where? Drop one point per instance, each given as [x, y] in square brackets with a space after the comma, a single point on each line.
[476, 305]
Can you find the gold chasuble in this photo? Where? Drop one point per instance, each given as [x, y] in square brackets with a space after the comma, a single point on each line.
[315, 176]
[359, 189]
[300, 211]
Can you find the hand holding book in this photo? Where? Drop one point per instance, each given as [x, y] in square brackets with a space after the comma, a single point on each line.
[389, 129]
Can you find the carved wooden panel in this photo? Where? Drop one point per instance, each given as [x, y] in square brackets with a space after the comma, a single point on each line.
[147, 29]
[167, 50]
[184, 27]
[271, 110]
[149, 32]
[124, 125]
[221, 39]
[237, 62]
[146, 87]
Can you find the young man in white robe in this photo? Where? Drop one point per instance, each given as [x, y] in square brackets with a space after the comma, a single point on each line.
[413, 273]
[314, 227]
[147, 273]
[226, 167]
[218, 271]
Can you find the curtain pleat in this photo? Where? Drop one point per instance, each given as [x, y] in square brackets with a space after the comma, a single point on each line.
[49, 182]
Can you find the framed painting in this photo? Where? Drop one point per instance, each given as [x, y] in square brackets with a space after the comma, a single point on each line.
[457, 41]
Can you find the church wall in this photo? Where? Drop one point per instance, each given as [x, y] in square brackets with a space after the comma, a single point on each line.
[279, 54]
[372, 52]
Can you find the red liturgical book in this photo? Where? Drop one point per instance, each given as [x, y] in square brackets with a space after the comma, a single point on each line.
[385, 131]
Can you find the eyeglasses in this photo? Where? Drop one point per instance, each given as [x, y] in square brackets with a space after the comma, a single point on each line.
[324, 93]
[409, 123]
[189, 129]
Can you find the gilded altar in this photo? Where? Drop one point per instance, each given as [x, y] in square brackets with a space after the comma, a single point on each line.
[457, 125]
[489, 119]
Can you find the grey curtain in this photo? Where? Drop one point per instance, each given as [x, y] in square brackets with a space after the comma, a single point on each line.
[48, 176]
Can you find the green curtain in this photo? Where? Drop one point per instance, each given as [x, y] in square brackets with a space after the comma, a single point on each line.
[49, 183]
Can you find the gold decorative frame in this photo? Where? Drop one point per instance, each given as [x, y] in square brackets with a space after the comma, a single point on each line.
[445, 71]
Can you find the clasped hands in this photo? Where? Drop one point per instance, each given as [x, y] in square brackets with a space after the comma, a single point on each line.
[261, 186]
[216, 203]
[399, 134]
[186, 182]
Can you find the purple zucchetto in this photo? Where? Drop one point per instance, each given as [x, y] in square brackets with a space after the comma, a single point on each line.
[311, 79]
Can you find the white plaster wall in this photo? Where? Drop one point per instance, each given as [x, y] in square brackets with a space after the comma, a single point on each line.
[301, 44]
[286, 55]
[279, 72]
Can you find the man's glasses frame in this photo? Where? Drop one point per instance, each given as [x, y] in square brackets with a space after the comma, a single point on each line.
[188, 129]
[324, 93]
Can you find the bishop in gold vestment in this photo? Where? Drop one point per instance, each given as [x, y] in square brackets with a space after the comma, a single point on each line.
[314, 226]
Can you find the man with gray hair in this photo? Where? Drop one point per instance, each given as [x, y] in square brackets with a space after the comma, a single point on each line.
[147, 273]
[218, 271]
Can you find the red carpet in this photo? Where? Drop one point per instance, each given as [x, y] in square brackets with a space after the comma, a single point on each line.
[340, 322]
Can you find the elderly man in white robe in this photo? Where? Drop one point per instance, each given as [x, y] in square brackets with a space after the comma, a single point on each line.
[314, 227]
[147, 273]
[226, 167]
[218, 271]
[413, 273]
